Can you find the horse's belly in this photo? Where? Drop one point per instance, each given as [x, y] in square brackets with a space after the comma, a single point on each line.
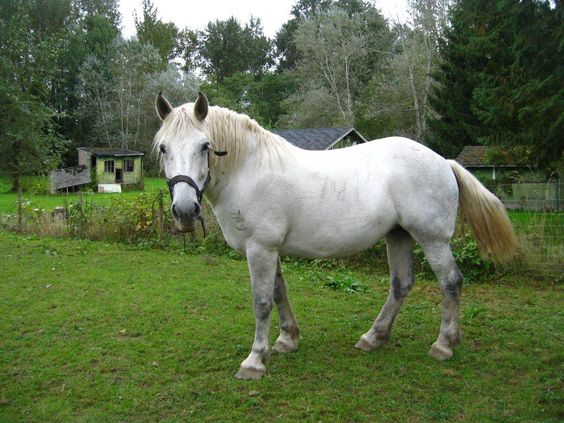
[323, 241]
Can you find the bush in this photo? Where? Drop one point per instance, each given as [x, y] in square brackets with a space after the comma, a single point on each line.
[467, 256]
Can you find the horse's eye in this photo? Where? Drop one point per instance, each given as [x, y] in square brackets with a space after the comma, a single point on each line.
[205, 146]
[162, 148]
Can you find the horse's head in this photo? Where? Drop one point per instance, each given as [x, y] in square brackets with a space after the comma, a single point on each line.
[184, 148]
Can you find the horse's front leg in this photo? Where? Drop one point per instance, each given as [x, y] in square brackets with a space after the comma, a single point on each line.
[262, 267]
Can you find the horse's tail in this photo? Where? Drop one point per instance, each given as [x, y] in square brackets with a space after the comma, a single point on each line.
[487, 217]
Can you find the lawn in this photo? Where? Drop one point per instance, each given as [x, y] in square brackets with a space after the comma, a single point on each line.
[9, 200]
[102, 332]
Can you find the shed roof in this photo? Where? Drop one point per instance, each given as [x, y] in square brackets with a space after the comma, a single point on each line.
[485, 156]
[317, 138]
[113, 152]
[66, 178]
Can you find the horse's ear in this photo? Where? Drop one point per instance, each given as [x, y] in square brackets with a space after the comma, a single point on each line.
[201, 107]
[162, 105]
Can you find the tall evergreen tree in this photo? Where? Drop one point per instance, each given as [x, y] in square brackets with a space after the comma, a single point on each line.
[520, 96]
[455, 123]
[500, 82]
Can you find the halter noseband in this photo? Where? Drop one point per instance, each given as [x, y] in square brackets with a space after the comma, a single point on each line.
[183, 178]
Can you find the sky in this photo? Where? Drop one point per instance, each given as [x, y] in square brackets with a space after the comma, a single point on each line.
[195, 14]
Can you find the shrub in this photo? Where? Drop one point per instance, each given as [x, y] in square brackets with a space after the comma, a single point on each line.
[467, 256]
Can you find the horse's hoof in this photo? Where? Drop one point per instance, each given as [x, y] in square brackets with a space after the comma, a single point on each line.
[284, 347]
[247, 373]
[364, 345]
[440, 352]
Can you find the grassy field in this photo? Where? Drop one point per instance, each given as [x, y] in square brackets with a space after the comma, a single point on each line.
[101, 332]
[9, 200]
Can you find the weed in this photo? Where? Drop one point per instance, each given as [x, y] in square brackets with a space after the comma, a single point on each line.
[346, 283]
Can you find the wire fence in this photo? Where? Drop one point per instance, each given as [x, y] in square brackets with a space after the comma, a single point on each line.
[530, 196]
[535, 210]
[536, 213]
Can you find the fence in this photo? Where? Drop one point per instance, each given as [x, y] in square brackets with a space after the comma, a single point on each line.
[529, 196]
[145, 220]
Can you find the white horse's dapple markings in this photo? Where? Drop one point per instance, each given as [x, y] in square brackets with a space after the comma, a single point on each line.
[272, 199]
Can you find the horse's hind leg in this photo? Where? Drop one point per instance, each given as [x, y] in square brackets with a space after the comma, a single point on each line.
[289, 330]
[400, 259]
[442, 262]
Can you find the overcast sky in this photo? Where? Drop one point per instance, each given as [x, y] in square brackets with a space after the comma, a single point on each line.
[195, 14]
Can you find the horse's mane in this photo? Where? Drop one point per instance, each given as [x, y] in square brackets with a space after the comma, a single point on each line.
[227, 130]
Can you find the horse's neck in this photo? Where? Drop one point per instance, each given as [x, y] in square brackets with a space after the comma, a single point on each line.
[247, 155]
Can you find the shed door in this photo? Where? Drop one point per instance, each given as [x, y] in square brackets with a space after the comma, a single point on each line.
[119, 175]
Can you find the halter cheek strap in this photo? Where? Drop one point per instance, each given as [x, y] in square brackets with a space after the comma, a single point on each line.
[183, 178]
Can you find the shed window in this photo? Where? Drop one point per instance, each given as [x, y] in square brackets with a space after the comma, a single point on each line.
[109, 166]
[128, 165]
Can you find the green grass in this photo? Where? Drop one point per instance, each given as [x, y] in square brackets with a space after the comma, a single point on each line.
[8, 200]
[100, 332]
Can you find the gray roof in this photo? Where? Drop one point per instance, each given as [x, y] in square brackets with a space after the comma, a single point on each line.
[66, 178]
[113, 152]
[317, 138]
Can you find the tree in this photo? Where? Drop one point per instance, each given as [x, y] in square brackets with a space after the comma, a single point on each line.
[454, 123]
[338, 50]
[285, 45]
[165, 37]
[27, 64]
[225, 48]
[259, 98]
[115, 98]
[520, 98]
[398, 98]
[500, 81]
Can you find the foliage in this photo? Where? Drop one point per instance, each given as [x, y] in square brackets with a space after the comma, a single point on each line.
[164, 36]
[337, 49]
[259, 97]
[455, 124]
[30, 143]
[520, 98]
[467, 256]
[225, 48]
[496, 85]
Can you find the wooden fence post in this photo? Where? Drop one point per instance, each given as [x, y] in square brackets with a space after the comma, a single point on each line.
[20, 206]
[161, 216]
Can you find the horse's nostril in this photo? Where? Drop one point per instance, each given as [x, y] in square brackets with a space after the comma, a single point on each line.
[196, 209]
[175, 212]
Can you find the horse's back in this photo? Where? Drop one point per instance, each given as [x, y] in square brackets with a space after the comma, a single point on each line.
[354, 196]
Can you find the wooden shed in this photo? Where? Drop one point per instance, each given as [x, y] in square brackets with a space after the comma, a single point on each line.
[112, 166]
[321, 138]
[70, 179]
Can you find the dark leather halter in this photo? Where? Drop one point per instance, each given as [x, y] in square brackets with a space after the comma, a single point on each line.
[199, 192]
[183, 178]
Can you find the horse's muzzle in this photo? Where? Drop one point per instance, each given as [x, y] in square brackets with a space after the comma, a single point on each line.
[185, 217]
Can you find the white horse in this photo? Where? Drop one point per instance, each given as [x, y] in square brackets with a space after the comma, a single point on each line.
[272, 199]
